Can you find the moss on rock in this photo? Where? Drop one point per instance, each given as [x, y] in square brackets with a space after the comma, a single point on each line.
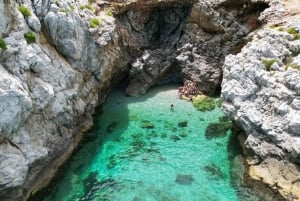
[26, 12]
[203, 103]
[3, 44]
[30, 37]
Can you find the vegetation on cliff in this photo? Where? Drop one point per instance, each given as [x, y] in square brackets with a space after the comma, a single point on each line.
[30, 37]
[25, 11]
[3, 44]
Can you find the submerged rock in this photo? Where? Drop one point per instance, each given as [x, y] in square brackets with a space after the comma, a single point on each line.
[136, 136]
[133, 118]
[112, 162]
[147, 124]
[92, 187]
[182, 124]
[139, 144]
[214, 170]
[90, 182]
[175, 138]
[183, 134]
[219, 129]
[184, 179]
[163, 135]
[152, 135]
[111, 127]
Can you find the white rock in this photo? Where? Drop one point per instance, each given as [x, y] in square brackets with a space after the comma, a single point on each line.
[294, 124]
[34, 23]
[267, 105]
[15, 104]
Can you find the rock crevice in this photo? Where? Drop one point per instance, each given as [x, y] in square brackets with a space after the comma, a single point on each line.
[49, 89]
[260, 94]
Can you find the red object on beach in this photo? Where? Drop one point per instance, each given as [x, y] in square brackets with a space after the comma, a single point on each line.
[188, 89]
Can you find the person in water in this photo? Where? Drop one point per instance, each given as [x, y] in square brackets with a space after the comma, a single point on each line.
[172, 107]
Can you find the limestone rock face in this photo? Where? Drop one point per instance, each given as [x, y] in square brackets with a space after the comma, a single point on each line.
[161, 28]
[260, 93]
[66, 32]
[14, 167]
[213, 30]
[15, 103]
[50, 88]
[191, 41]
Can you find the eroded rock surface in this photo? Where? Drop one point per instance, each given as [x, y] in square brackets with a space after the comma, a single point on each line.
[260, 93]
[49, 89]
[191, 42]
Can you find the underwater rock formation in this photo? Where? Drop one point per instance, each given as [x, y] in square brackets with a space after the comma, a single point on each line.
[49, 88]
[184, 179]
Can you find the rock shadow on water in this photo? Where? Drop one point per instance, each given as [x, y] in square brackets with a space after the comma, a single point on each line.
[184, 179]
[111, 127]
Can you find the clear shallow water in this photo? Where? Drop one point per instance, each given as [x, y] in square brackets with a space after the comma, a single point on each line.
[140, 153]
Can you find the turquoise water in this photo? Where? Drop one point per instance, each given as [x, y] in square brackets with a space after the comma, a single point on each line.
[139, 151]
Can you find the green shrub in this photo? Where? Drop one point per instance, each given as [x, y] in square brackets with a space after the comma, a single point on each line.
[203, 103]
[63, 10]
[108, 12]
[2, 44]
[268, 63]
[72, 8]
[297, 67]
[30, 37]
[25, 11]
[86, 6]
[280, 29]
[94, 22]
[296, 36]
[291, 30]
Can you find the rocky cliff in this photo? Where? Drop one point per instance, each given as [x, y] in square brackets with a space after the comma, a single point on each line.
[260, 91]
[59, 59]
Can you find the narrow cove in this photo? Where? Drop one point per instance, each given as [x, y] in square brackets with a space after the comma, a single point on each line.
[141, 150]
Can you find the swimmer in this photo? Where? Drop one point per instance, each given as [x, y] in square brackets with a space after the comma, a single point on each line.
[172, 107]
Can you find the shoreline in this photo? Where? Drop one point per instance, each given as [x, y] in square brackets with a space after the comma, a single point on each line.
[270, 173]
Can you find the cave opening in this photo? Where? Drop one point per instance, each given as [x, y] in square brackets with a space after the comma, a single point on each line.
[163, 44]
